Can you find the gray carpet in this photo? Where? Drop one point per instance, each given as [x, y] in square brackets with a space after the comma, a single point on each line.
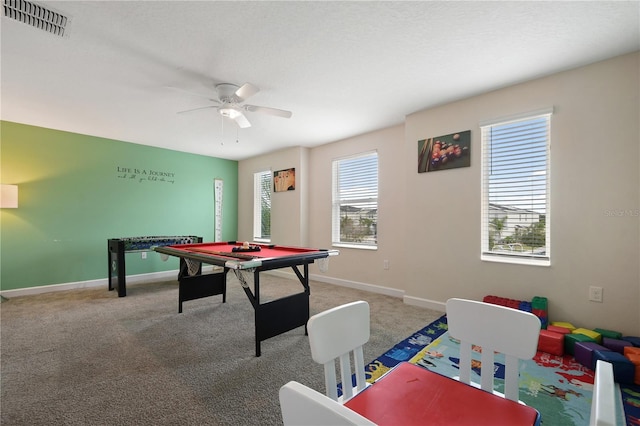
[87, 357]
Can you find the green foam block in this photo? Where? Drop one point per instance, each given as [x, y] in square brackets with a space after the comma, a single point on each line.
[571, 339]
[608, 333]
[539, 302]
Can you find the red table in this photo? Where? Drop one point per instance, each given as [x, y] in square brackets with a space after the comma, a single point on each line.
[412, 395]
[271, 318]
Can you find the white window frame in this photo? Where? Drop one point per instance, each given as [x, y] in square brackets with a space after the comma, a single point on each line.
[536, 205]
[259, 188]
[367, 197]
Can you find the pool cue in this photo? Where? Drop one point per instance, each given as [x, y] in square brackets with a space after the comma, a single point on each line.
[426, 145]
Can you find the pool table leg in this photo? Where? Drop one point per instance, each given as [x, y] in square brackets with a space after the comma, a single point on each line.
[199, 286]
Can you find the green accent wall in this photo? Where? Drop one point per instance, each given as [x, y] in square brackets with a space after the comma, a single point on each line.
[77, 191]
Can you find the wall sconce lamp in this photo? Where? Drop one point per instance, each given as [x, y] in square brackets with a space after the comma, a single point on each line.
[9, 197]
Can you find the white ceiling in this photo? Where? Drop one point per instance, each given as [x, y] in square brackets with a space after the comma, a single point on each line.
[343, 68]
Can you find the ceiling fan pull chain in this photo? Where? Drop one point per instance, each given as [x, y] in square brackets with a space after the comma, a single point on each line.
[222, 131]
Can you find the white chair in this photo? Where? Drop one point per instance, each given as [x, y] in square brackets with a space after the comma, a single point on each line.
[603, 402]
[335, 334]
[494, 328]
[303, 406]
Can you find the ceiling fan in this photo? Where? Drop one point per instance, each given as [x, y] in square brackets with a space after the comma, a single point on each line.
[230, 103]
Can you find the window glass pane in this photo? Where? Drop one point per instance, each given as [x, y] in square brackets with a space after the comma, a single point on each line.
[515, 195]
[262, 206]
[355, 200]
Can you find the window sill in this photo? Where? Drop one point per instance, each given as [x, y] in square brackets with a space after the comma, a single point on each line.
[354, 246]
[515, 260]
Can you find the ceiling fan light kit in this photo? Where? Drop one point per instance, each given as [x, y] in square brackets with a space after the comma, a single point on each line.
[230, 98]
[229, 112]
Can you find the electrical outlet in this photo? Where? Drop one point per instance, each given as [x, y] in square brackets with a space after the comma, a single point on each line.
[385, 264]
[595, 294]
[144, 254]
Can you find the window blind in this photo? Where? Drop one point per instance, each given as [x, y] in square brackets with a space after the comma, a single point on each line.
[355, 200]
[515, 189]
[262, 205]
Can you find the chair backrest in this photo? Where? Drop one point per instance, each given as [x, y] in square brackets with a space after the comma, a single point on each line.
[303, 406]
[335, 334]
[603, 402]
[494, 328]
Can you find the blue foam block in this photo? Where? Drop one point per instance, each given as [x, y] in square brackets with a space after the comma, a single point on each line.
[623, 369]
[635, 341]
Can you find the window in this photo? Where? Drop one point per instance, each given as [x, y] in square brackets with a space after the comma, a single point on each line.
[355, 201]
[262, 206]
[515, 189]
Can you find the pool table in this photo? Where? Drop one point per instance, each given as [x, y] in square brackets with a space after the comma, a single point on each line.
[271, 318]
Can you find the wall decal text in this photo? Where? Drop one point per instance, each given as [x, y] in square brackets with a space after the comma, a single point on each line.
[142, 175]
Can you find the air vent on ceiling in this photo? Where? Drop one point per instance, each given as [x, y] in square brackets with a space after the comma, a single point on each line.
[35, 15]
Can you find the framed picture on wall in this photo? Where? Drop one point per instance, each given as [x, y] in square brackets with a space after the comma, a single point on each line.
[444, 152]
[284, 180]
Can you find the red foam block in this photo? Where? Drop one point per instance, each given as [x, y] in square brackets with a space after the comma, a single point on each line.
[551, 342]
[558, 329]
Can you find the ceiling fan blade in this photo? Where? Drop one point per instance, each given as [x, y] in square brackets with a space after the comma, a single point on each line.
[266, 110]
[242, 121]
[196, 109]
[246, 91]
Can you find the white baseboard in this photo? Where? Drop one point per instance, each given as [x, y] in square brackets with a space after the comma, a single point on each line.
[131, 280]
[157, 276]
[425, 303]
[345, 283]
[387, 291]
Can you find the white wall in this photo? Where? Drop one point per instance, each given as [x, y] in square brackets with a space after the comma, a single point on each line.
[429, 223]
[358, 265]
[289, 209]
[594, 171]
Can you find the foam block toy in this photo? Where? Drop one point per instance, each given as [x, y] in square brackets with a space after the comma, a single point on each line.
[583, 353]
[539, 307]
[571, 339]
[503, 301]
[615, 344]
[557, 329]
[525, 306]
[594, 335]
[608, 333]
[539, 302]
[542, 316]
[635, 359]
[551, 342]
[544, 322]
[630, 350]
[563, 324]
[635, 341]
[623, 369]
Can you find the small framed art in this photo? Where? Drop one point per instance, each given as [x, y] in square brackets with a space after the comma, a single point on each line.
[444, 152]
[284, 180]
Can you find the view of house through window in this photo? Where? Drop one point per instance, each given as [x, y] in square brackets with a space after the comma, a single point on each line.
[355, 201]
[262, 206]
[515, 189]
